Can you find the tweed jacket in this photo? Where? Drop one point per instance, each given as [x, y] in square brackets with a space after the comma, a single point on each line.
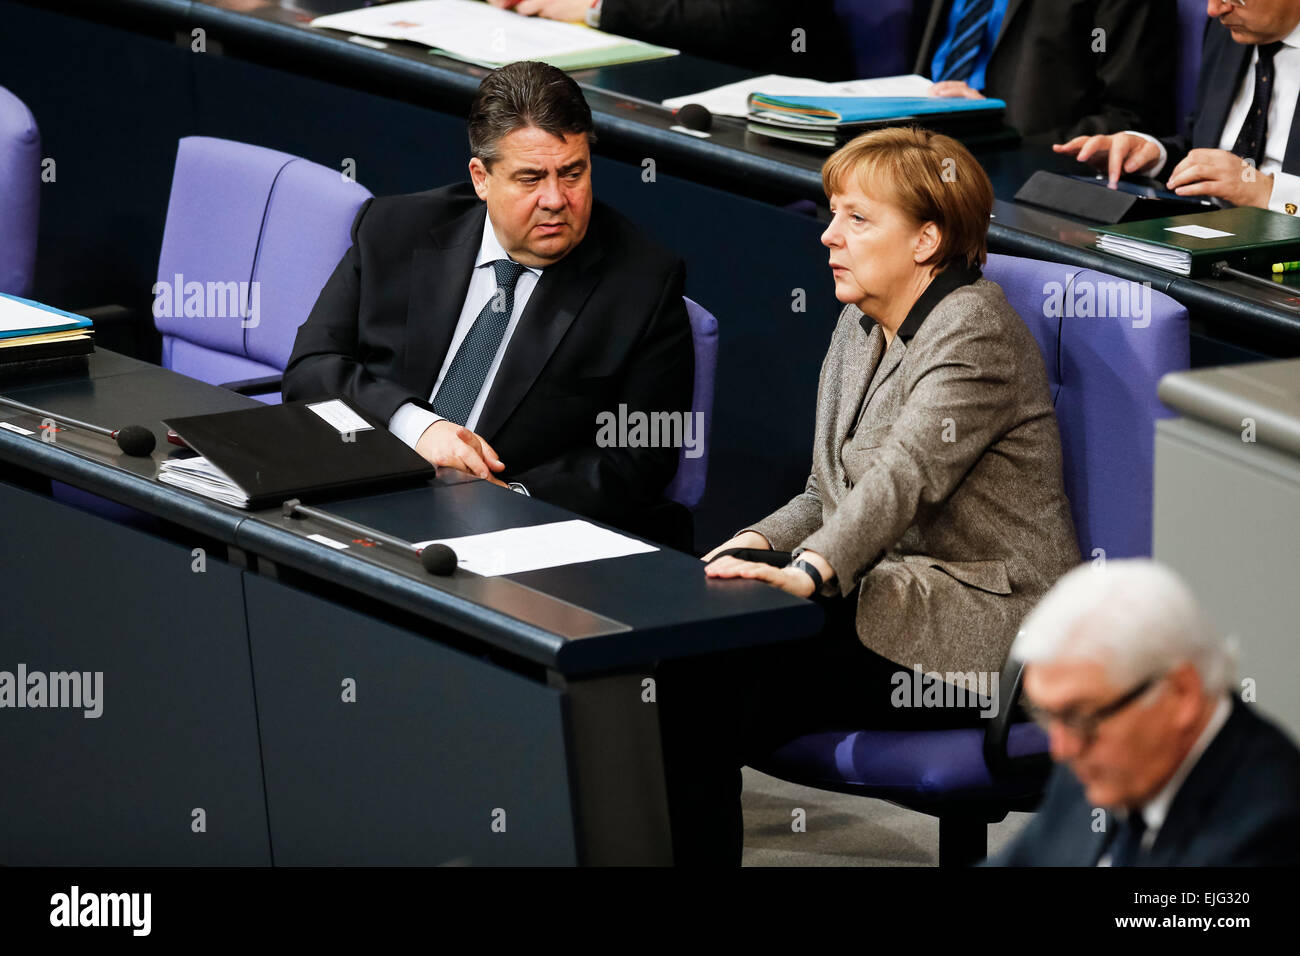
[936, 490]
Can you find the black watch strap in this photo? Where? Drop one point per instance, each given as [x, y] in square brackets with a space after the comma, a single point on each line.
[808, 568]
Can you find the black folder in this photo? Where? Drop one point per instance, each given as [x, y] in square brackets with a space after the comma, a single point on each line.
[276, 452]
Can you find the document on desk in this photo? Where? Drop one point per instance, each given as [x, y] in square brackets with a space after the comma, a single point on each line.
[733, 99]
[540, 546]
[472, 31]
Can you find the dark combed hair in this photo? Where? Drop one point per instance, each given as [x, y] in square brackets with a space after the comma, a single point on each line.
[523, 94]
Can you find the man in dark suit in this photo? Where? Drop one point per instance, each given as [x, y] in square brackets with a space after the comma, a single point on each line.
[1064, 67]
[491, 323]
[1159, 763]
[1245, 136]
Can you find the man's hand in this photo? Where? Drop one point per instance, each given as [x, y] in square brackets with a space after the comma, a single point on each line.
[746, 539]
[1224, 175]
[573, 11]
[955, 89]
[1113, 155]
[449, 445]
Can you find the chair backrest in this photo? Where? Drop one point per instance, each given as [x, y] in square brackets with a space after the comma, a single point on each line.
[251, 236]
[687, 486]
[1191, 35]
[880, 35]
[20, 184]
[1105, 343]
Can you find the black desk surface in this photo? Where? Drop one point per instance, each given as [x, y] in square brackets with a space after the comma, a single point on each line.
[579, 618]
[630, 123]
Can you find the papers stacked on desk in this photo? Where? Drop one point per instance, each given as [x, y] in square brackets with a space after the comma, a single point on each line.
[203, 478]
[472, 31]
[35, 339]
[733, 99]
[830, 121]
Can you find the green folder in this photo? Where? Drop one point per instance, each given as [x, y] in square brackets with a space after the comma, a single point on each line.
[630, 51]
[1243, 237]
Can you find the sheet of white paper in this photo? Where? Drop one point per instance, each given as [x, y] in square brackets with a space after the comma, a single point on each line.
[471, 30]
[338, 414]
[540, 546]
[20, 317]
[10, 426]
[1199, 232]
[336, 545]
[733, 99]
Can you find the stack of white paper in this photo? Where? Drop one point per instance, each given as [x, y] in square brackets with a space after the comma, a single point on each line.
[204, 478]
[477, 33]
[1171, 260]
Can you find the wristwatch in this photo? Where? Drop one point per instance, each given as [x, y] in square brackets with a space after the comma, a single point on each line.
[592, 16]
[808, 568]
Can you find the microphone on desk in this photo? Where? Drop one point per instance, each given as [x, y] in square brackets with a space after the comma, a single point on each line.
[134, 440]
[696, 117]
[436, 558]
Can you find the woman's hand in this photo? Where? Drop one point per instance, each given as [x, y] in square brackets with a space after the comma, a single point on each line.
[791, 580]
[746, 539]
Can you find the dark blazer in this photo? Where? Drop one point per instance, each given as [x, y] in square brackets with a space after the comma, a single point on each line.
[605, 326]
[1055, 86]
[1239, 806]
[751, 33]
[1224, 66]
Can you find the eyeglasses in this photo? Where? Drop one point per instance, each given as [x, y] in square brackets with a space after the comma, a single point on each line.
[1084, 725]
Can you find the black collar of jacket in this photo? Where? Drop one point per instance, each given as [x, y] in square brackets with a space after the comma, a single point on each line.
[949, 280]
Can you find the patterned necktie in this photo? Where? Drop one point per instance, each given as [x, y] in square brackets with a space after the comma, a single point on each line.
[1253, 137]
[468, 370]
[1126, 845]
[967, 39]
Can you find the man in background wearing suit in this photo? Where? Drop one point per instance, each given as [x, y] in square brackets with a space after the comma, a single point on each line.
[1064, 67]
[1158, 762]
[1245, 139]
[490, 323]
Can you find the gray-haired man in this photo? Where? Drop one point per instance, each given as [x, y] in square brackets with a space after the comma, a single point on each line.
[1159, 762]
[490, 323]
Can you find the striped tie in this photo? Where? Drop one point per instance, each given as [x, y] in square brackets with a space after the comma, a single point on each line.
[458, 393]
[967, 39]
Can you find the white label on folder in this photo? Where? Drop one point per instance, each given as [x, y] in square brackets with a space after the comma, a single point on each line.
[14, 428]
[336, 545]
[340, 416]
[1199, 232]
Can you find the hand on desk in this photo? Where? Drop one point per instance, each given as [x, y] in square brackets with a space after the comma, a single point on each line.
[791, 580]
[1219, 173]
[449, 445]
[955, 89]
[1114, 155]
[572, 10]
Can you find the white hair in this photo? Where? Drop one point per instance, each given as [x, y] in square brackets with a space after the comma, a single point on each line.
[1133, 616]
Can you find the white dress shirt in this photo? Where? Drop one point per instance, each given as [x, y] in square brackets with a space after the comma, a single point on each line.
[1281, 113]
[1155, 810]
[409, 422]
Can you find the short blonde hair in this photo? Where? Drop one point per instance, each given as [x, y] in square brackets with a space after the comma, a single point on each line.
[930, 177]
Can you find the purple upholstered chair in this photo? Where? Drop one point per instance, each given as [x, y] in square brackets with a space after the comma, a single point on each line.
[1192, 22]
[240, 214]
[687, 486]
[20, 183]
[266, 221]
[880, 34]
[1103, 373]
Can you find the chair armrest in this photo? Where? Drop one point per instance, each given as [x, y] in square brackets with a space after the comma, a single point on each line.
[1000, 763]
[255, 386]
